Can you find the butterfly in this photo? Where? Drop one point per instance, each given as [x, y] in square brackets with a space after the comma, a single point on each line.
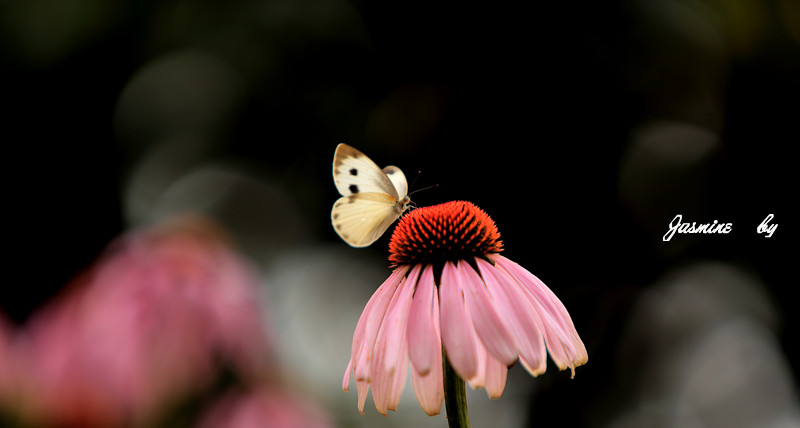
[372, 198]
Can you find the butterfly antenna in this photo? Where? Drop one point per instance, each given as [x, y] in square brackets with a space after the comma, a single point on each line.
[424, 188]
[414, 180]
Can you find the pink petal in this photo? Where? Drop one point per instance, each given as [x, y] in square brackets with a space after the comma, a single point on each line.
[424, 341]
[373, 317]
[381, 384]
[363, 388]
[391, 347]
[398, 378]
[536, 367]
[429, 387]
[369, 353]
[496, 373]
[523, 320]
[563, 342]
[491, 328]
[458, 335]
[491, 374]
[346, 380]
[391, 282]
[396, 321]
[479, 380]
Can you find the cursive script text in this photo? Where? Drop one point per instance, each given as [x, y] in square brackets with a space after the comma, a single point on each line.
[676, 226]
[767, 228]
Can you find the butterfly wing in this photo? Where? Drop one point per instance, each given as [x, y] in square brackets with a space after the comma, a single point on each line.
[362, 218]
[398, 180]
[354, 173]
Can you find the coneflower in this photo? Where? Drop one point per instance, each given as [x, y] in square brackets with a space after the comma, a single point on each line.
[453, 299]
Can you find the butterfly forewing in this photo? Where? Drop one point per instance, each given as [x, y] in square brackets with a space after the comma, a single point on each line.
[354, 172]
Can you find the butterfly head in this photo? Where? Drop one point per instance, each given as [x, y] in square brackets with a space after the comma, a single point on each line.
[404, 205]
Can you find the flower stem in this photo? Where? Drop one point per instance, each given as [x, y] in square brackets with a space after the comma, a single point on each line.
[455, 396]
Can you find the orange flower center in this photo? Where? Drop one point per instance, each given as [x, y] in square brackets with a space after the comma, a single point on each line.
[456, 230]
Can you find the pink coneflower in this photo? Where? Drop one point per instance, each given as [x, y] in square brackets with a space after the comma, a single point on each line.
[452, 293]
[143, 327]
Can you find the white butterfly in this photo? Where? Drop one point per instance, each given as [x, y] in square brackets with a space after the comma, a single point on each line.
[372, 199]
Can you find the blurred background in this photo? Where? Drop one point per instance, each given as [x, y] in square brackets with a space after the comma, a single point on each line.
[581, 128]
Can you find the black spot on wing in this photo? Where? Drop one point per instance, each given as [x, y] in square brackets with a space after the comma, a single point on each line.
[353, 188]
[353, 171]
[335, 216]
[390, 171]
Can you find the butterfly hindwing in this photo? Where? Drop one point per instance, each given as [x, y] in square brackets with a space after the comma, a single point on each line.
[361, 219]
[398, 180]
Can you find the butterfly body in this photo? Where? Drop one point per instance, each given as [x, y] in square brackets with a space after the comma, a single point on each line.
[372, 198]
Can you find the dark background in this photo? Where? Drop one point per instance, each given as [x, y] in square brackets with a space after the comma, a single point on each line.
[582, 128]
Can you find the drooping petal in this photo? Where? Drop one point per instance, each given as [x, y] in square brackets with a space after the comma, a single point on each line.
[458, 335]
[391, 282]
[523, 320]
[390, 365]
[565, 346]
[372, 319]
[429, 388]
[363, 388]
[369, 363]
[399, 367]
[496, 374]
[346, 380]
[535, 367]
[479, 380]
[396, 322]
[491, 373]
[424, 341]
[491, 328]
[398, 377]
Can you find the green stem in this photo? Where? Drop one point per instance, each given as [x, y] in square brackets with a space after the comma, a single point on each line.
[455, 396]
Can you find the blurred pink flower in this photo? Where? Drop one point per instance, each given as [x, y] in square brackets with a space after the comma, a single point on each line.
[148, 322]
[265, 407]
[451, 289]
